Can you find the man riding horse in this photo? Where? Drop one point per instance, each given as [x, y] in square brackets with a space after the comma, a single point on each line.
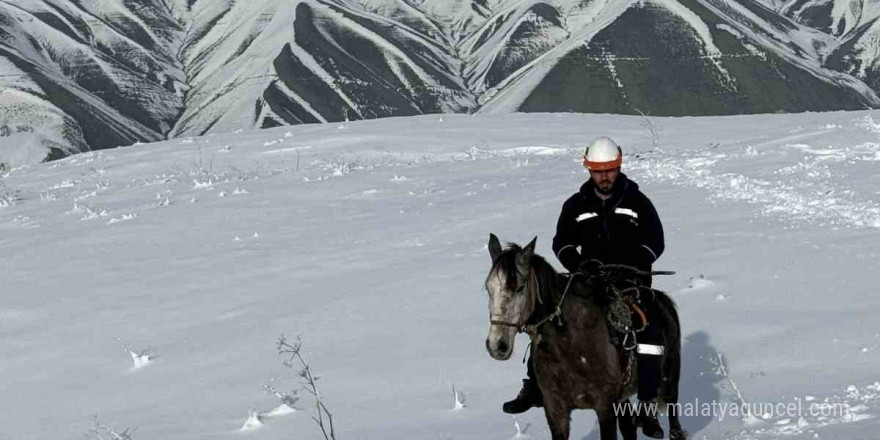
[609, 221]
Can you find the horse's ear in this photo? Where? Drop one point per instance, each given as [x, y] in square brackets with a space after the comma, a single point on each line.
[524, 258]
[530, 248]
[494, 247]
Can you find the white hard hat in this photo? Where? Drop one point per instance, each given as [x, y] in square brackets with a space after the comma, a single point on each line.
[603, 154]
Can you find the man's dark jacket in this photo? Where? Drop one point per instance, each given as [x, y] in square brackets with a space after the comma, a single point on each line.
[624, 229]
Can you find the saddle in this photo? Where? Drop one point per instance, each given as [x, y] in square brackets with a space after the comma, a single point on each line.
[625, 313]
[626, 318]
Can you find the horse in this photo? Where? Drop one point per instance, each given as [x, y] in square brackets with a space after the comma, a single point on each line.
[576, 364]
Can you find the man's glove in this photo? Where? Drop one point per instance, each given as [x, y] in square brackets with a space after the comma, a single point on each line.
[570, 258]
[590, 266]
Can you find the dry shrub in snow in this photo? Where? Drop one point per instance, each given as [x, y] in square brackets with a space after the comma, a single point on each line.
[309, 381]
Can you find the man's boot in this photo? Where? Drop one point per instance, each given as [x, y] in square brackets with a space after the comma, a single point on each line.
[647, 420]
[649, 381]
[529, 396]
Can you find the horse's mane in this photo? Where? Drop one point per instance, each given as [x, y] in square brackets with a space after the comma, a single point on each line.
[545, 274]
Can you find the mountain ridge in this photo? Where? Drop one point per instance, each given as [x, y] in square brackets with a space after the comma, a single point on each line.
[78, 75]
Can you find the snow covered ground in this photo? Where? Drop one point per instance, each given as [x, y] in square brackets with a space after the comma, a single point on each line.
[368, 239]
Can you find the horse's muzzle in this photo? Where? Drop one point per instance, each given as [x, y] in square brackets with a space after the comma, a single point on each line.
[499, 346]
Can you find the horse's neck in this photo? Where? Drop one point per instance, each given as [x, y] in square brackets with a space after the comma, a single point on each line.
[553, 294]
[577, 304]
[550, 293]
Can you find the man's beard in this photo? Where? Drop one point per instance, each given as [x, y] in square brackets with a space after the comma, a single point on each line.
[605, 189]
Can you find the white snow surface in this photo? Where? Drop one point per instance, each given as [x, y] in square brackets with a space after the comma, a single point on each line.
[370, 243]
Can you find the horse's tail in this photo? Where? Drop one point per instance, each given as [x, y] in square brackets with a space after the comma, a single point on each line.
[670, 366]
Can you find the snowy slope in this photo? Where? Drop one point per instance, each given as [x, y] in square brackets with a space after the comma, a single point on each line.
[368, 238]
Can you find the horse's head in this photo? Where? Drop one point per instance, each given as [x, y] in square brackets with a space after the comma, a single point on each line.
[511, 301]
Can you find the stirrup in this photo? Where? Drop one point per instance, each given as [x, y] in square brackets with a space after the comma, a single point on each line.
[649, 423]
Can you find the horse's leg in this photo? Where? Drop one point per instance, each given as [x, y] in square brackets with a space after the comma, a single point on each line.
[607, 422]
[626, 421]
[558, 418]
[673, 408]
[675, 430]
[672, 412]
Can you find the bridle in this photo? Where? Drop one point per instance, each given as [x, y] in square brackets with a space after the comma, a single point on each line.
[535, 297]
[519, 326]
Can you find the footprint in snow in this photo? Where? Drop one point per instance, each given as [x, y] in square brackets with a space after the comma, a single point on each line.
[141, 360]
[698, 283]
[256, 419]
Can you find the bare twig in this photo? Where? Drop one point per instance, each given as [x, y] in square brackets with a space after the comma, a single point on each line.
[102, 432]
[323, 417]
[289, 398]
[651, 130]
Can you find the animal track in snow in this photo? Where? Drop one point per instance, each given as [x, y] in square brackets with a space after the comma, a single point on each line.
[24, 222]
[800, 193]
[852, 405]
[140, 360]
[89, 213]
[697, 284]
[123, 218]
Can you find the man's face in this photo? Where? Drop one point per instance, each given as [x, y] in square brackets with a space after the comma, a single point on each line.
[604, 180]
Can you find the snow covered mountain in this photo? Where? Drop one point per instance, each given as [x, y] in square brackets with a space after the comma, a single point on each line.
[855, 26]
[77, 75]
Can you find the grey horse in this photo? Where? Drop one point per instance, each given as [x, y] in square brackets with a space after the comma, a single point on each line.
[576, 365]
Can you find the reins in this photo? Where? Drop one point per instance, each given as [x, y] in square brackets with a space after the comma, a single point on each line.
[535, 296]
[532, 330]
